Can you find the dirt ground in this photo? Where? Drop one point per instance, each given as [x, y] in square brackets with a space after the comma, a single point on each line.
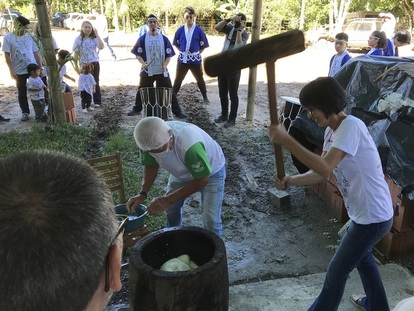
[262, 241]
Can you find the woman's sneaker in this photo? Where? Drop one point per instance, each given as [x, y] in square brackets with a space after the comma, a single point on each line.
[84, 110]
[90, 109]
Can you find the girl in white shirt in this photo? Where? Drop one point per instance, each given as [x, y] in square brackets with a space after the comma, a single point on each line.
[86, 47]
[87, 88]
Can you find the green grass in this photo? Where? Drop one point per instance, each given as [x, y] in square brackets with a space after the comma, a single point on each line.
[65, 137]
[75, 140]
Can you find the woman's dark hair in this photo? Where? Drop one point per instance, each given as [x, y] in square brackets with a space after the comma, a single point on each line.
[82, 34]
[382, 39]
[324, 94]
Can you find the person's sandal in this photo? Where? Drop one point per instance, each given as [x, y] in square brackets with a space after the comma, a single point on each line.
[356, 299]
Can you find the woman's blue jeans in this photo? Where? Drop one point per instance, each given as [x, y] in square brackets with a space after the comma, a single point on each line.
[212, 196]
[355, 251]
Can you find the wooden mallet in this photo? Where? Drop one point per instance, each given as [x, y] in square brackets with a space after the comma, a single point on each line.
[267, 51]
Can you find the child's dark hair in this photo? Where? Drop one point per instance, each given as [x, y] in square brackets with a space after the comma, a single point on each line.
[32, 67]
[87, 68]
[63, 54]
[341, 36]
[189, 10]
[151, 16]
[403, 36]
[382, 38]
[324, 94]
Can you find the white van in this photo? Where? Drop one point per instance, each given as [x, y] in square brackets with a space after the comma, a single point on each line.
[359, 31]
[77, 23]
[68, 21]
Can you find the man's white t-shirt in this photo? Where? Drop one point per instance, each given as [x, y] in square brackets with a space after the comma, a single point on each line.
[21, 49]
[359, 175]
[194, 154]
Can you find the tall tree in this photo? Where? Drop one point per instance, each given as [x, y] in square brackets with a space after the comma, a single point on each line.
[340, 13]
[56, 109]
[115, 20]
[302, 15]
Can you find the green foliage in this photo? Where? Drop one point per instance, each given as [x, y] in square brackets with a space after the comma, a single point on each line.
[277, 15]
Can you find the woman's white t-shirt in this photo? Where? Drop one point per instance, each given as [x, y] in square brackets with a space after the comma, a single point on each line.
[359, 175]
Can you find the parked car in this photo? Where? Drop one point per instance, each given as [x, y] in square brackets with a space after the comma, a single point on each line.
[359, 31]
[70, 17]
[12, 11]
[77, 23]
[58, 18]
[6, 22]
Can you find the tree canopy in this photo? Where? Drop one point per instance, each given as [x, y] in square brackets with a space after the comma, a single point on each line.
[277, 15]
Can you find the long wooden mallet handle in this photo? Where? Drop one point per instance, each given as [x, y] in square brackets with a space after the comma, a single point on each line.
[274, 117]
[267, 51]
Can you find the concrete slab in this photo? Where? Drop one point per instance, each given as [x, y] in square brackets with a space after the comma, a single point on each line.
[294, 294]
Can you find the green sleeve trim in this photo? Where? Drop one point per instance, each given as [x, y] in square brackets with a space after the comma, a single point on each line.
[197, 161]
[147, 159]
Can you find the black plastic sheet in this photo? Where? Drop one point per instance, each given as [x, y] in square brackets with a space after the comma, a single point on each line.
[371, 84]
[368, 80]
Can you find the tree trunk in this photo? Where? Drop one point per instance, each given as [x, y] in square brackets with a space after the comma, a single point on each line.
[101, 7]
[409, 9]
[56, 108]
[251, 93]
[302, 15]
[166, 22]
[115, 20]
[343, 11]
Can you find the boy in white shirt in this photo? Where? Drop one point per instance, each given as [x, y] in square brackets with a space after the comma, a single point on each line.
[341, 56]
[36, 90]
[63, 57]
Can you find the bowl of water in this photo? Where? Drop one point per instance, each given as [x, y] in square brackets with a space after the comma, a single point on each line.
[135, 219]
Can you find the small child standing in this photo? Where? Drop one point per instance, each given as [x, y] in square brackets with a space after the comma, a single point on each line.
[87, 86]
[63, 56]
[341, 56]
[36, 89]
